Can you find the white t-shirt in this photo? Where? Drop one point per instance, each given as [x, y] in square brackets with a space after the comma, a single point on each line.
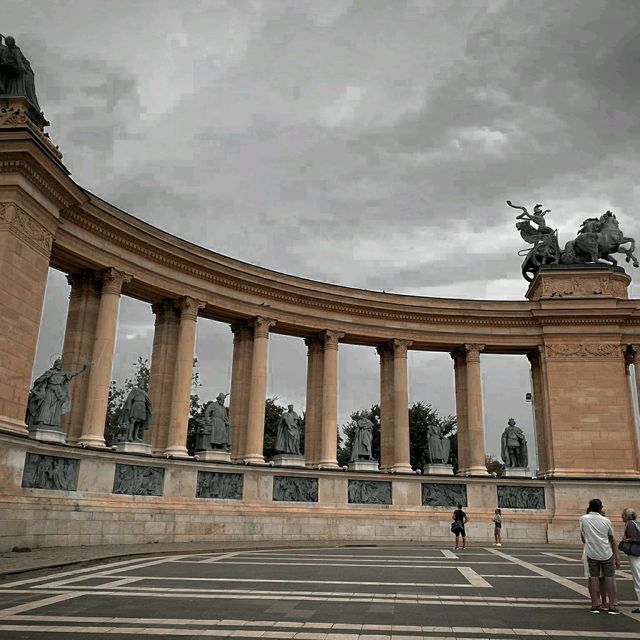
[596, 530]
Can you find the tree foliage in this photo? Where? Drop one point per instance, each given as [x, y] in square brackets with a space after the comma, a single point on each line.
[494, 466]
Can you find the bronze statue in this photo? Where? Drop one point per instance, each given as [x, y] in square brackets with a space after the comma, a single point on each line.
[288, 438]
[514, 446]
[16, 75]
[136, 414]
[361, 446]
[50, 396]
[214, 432]
[439, 445]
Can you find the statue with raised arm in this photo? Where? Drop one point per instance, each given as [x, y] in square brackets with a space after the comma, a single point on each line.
[514, 446]
[361, 445]
[136, 414]
[50, 396]
[288, 436]
[16, 75]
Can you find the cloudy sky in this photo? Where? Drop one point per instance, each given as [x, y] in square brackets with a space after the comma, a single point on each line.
[370, 143]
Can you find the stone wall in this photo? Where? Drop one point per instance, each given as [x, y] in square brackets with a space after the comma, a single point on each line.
[55, 495]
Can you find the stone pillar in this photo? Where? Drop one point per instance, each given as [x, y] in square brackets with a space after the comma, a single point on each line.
[182, 378]
[257, 391]
[636, 365]
[99, 372]
[539, 412]
[161, 373]
[475, 417]
[633, 358]
[313, 414]
[240, 384]
[401, 457]
[26, 237]
[329, 436]
[79, 336]
[460, 372]
[387, 457]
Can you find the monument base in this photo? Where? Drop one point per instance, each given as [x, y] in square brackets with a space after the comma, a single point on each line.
[288, 460]
[47, 434]
[133, 447]
[516, 472]
[364, 465]
[437, 470]
[213, 455]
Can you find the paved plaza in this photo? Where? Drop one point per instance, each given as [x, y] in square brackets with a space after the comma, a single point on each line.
[345, 593]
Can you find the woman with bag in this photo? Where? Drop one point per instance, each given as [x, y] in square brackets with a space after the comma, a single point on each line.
[630, 544]
[457, 526]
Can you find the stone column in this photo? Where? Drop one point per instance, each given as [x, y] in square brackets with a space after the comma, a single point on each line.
[460, 372]
[329, 436]
[257, 392]
[401, 457]
[387, 458]
[313, 415]
[79, 336]
[161, 373]
[633, 357]
[240, 384]
[99, 372]
[539, 413]
[182, 380]
[636, 365]
[475, 418]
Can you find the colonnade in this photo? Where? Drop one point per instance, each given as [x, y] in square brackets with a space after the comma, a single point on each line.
[91, 330]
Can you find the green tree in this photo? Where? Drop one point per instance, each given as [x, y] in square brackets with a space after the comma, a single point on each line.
[494, 466]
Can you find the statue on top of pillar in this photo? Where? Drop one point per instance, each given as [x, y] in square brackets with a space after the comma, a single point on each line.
[215, 430]
[514, 446]
[50, 396]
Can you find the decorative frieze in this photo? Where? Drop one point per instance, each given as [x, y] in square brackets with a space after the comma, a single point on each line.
[586, 350]
[444, 495]
[370, 492]
[26, 228]
[138, 480]
[295, 489]
[224, 486]
[50, 472]
[514, 497]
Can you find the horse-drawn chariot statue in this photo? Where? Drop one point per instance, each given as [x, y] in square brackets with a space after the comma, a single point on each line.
[596, 241]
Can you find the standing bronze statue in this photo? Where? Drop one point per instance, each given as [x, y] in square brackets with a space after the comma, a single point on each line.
[288, 436]
[361, 445]
[514, 446]
[439, 445]
[214, 432]
[16, 75]
[136, 415]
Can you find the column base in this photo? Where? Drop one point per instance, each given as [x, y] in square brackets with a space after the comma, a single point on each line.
[15, 426]
[176, 452]
[213, 455]
[91, 441]
[254, 459]
[133, 447]
[288, 460]
[328, 464]
[401, 468]
[473, 471]
[46, 433]
[438, 469]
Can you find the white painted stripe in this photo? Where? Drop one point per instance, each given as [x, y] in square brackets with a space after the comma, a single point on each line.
[556, 555]
[565, 582]
[221, 557]
[29, 606]
[474, 579]
[449, 554]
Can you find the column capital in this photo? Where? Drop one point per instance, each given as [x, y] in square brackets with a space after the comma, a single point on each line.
[314, 341]
[473, 352]
[113, 279]
[634, 349]
[400, 347]
[163, 308]
[535, 355]
[189, 307]
[331, 339]
[261, 326]
[384, 349]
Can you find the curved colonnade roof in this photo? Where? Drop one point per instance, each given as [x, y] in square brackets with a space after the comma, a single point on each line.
[97, 235]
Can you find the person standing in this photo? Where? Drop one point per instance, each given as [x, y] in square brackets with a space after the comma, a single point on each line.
[459, 520]
[632, 534]
[602, 554]
[497, 528]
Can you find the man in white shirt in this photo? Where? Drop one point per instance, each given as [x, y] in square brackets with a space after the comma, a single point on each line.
[602, 554]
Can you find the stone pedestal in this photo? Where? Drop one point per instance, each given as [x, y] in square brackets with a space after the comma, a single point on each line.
[47, 434]
[133, 447]
[288, 460]
[437, 470]
[213, 455]
[364, 465]
[516, 472]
